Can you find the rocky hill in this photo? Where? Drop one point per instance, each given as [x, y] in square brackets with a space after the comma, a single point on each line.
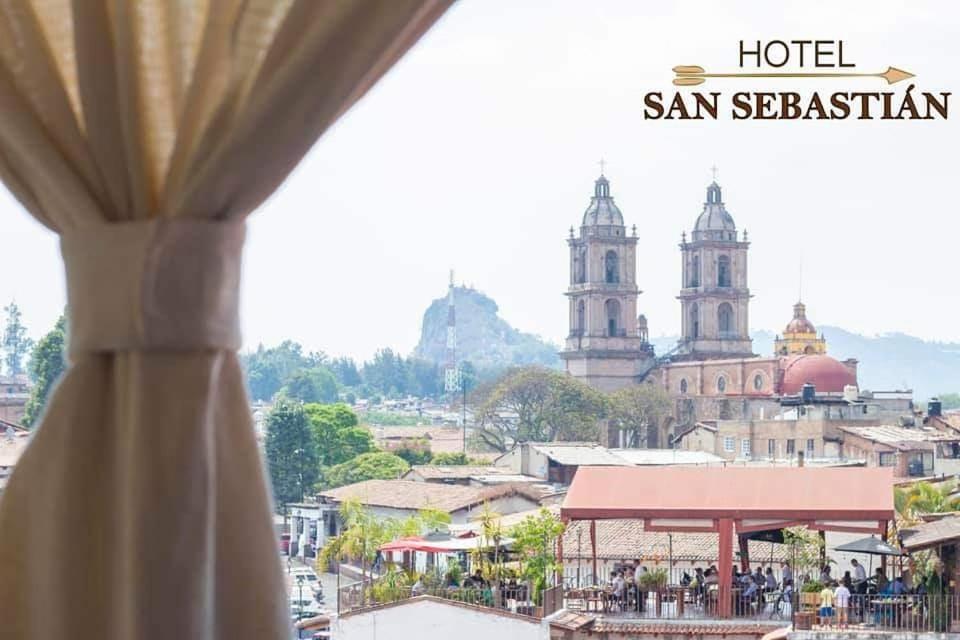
[483, 337]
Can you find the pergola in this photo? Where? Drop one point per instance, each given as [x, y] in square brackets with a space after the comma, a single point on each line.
[723, 500]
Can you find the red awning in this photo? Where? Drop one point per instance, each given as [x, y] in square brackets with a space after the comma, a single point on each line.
[413, 543]
[689, 493]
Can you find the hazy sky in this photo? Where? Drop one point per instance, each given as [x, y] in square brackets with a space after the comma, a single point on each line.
[479, 150]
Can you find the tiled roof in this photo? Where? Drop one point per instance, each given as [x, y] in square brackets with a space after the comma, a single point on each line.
[572, 620]
[904, 438]
[439, 439]
[579, 454]
[437, 472]
[626, 540]
[408, 494]
[931, 533]
[659, 457]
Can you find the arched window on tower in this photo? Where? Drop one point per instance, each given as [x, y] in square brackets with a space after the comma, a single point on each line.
[694, 279]
[723, 271]
[725, 320]
[581, 318]
[581, 267]
[611, 267]
[612, 309]
[694, 327]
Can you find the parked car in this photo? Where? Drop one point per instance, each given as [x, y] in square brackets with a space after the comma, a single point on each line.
[285, 543]
[310, 579]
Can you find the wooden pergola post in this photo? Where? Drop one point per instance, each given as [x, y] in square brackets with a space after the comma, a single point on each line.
[725, 566]
[593, 549]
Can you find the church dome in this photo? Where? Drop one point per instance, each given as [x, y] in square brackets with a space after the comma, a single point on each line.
[799, 323]
[826, 374]
[602, 210]
[714, 223]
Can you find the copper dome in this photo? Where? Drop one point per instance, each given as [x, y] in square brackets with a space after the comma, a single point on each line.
[826, 374]
[800, 324]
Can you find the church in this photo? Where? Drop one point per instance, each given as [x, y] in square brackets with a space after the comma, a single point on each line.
[712, 373]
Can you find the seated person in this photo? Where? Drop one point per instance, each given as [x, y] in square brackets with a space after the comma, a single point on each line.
[771, 581]
[897, 588]
[882, 582]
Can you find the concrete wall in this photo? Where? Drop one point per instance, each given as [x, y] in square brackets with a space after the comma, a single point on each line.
[427, 619]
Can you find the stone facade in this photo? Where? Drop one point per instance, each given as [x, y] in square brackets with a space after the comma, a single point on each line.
[606, 346]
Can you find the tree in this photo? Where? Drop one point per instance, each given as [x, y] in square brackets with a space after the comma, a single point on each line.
[291, 452]
[47, 364]
[337, 433]
[414, 452]
[535, 542]
[924, 497]
[534, 404]
[364, 533]
[386, 373]
[311, 385]
[346, 372]
[639, 410]
[950, 401]
[447, 458]
[269, 369]
[16, 344]
[381, 465]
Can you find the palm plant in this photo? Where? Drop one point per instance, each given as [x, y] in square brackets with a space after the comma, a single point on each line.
[921, 498]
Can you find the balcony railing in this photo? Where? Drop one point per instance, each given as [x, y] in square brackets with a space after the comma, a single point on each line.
[516, 598]
[908, 613]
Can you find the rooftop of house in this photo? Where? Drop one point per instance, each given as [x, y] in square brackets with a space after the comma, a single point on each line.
[578, 453]
[931, 534]
[440, 439]
[659, 457]
[454, 472]
[412, 495]
[903, 438]
[11, 448]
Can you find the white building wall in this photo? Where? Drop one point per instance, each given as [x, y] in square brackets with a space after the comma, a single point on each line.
[432, 620]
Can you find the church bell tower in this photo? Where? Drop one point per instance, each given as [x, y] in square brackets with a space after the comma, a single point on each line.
[714, 298]
[607, 347]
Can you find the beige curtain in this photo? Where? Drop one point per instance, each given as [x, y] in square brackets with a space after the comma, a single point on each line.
[143, 132]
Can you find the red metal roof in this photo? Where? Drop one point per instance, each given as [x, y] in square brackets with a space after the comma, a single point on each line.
[790, 493]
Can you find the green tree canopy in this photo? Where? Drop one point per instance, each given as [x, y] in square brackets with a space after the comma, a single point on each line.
[311, 385]
[346, 372]
[16, 344]
[459, 458]
[535, 542]
[291, 452]
[337, 433]
[535, 404]
[414, 452]
[269, 369]
[925, 497]
[639, 410]
[47, 364]
[381, 465]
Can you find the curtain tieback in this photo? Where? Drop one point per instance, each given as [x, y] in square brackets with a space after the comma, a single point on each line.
[162, 284]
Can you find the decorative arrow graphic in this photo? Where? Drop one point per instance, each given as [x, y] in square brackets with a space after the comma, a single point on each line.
[688, 75]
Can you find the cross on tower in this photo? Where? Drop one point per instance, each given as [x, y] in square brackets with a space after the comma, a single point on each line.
[603, 163]
[713, 170]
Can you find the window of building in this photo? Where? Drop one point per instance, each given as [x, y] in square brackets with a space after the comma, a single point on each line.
[887, 459]
[729, 444]
[683, 385]
[725, 319]
[611, 267]
[721, 384]
[581, 317]
[811, 444]
[581, 267]
[791, 447]
[694, 279]
[772, 448]
[723, 271]
[745, 446]
[612, 308]
[694, 321]
[758, 382]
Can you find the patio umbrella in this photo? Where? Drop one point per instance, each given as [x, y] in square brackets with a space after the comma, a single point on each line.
[870, 545]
